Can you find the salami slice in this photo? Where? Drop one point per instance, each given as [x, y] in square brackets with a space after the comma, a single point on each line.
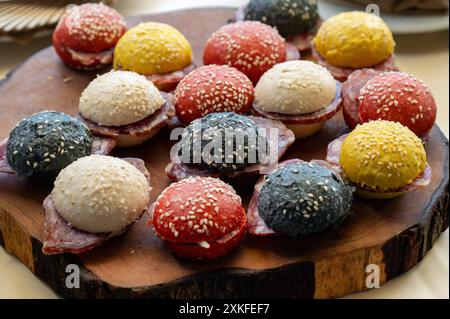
[100, 146]
[341, 74]
[239, 15]
[309, 118]
[60, 237]
[90, 60]
[350, 92]
[154, 121]
[179, 171]
[334, 152]
[4, 166]
[168, 81]
[303, 40]
[255, 223]
[333, 155]
[292, 52]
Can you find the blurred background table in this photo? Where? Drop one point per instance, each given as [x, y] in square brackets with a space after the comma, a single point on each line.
[424, 55]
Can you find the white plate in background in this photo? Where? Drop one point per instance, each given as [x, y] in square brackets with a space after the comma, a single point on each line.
[399, 24]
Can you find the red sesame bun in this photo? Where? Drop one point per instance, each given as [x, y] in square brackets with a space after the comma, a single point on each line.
[210, 89]
[250, 46]
[398, 97]
[199, 217]
[86, 34]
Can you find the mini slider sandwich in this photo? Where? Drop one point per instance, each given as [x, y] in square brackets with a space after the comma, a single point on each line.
[393, 96]
[298, 199]
[86, 35]
[210, 89]
[199, 218]
[301, 94]
[249, 46]
[156, 50]
[42, 144]
[354, 40]
[383, 159]
[125, 106]
[94, 198]
[296, 20]
[240, 143]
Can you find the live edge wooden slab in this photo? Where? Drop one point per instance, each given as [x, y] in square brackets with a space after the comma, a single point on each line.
[393, 234]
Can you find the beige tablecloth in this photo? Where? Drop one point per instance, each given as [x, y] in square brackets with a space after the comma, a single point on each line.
[425, 56]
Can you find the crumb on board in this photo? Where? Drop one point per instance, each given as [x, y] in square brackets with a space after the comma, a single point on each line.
[67, 79]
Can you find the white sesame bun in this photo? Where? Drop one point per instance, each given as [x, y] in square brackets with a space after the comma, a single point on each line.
[119, 98]
[130, 140]
[305, 130]
[101, 194]
[295, 87]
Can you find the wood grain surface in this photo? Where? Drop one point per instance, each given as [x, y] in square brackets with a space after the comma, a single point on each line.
[394, 234]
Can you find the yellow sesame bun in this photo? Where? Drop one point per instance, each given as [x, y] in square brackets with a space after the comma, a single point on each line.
[119, 98]
[354, 39]
[101, 194]
[152, 48]
[382, 156]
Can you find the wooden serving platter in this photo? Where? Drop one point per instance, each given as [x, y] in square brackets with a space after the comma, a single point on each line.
[393, 234]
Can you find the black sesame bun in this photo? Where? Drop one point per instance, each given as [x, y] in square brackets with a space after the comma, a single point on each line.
[44, 143]
[299, 199]
[290, 17]
[262, 147]
[226, 127]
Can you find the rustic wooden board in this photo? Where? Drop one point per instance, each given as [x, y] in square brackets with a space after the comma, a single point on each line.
[394, 234]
